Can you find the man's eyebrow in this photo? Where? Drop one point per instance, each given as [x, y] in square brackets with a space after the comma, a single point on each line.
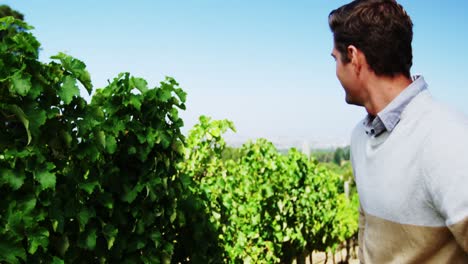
[333, 55]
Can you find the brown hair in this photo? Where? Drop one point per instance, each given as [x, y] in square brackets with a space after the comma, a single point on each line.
[381, 29]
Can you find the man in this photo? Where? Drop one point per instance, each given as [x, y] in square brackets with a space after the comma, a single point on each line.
[410, 154]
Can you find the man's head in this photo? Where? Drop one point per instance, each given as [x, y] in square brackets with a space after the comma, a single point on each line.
[381, 29]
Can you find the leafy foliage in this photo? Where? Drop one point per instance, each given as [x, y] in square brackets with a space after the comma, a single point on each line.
[268, 207]
[86, 183]
[8, 11]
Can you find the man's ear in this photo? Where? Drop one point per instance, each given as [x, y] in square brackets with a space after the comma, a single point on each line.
[355, 57]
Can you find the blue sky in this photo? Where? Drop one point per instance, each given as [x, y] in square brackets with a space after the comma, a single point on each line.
[265, 65]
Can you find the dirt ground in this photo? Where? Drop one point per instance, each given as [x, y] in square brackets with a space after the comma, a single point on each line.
[319, 258]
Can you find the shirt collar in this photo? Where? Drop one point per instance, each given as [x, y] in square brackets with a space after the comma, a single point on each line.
[388, 118]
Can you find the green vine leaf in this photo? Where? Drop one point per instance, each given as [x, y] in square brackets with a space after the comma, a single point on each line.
[139, 83]
[46, 178]
[68, 89]
[39, 238]
[20, 83]
[9, 177]
[77, 68]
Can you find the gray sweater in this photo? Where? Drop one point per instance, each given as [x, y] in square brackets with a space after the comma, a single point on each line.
[413, 186]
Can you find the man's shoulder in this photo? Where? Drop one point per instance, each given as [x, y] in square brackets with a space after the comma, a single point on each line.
[445, 132]
[434, 116]
[446, 119]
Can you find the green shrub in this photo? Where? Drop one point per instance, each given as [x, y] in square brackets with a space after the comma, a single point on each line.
[97, 182]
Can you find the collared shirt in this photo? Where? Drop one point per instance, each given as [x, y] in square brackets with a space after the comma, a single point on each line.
[388, 118]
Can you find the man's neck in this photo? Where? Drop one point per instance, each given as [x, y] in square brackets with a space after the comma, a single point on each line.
[382, 90]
